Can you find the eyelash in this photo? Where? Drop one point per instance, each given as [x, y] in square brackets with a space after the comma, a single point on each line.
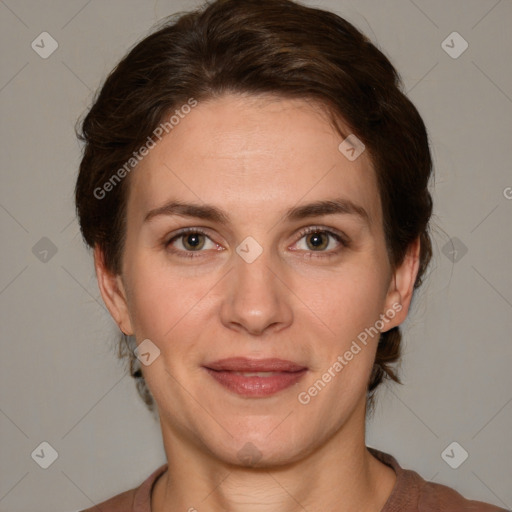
[339, 237]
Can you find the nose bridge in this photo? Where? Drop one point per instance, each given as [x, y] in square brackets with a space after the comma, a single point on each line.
[252, 269]
[256, 298]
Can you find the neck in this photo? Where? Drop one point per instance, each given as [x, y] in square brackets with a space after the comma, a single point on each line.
[341, 475]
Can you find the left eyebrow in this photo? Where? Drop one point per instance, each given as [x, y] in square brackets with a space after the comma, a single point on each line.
[329, 207]
[209, 212]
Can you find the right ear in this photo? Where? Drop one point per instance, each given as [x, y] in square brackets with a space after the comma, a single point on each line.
[113, 293]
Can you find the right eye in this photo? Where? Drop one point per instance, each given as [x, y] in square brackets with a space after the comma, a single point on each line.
[191, 240]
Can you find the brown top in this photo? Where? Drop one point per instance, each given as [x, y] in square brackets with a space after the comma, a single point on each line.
[411, 493]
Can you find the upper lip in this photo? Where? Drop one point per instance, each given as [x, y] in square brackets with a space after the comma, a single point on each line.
[244, 364]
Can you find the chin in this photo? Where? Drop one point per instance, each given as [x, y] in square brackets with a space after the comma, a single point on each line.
[253, 448]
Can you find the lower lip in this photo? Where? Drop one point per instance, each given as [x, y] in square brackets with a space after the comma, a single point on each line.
[256, 386]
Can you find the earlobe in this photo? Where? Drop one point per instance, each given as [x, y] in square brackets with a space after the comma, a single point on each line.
[113, 293]
[401, 287]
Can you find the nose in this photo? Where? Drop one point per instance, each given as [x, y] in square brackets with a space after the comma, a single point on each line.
[256, 298]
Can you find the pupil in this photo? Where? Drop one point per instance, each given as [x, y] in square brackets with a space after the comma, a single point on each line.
[317, 240]
[195, 240]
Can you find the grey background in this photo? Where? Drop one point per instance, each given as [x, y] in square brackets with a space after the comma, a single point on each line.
[59, 379]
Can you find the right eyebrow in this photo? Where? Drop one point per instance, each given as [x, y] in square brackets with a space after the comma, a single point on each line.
[206, 212]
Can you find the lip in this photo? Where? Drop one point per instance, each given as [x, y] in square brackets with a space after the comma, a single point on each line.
[254, 386]
[245, 364]
[284, 374]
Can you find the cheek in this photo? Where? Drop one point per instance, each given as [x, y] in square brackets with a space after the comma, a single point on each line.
[162, 297]
[346, 302]
[153, 308]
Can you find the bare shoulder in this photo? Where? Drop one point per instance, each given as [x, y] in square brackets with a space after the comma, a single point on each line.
[440, 498]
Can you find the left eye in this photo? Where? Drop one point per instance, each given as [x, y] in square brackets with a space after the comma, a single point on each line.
[318, 240]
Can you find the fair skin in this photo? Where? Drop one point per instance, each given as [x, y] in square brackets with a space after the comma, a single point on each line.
[304, 299]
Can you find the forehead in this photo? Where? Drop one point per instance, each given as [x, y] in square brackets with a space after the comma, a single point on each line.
[259, 154]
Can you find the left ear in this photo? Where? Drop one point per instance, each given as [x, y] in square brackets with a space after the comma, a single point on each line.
[401, 287]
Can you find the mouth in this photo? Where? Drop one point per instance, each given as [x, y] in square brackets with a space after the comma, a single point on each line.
[245, 364]
[255, 377]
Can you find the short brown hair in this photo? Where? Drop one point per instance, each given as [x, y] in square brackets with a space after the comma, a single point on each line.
[259, 47]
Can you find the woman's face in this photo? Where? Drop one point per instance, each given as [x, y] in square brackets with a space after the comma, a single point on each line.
[259, 275]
